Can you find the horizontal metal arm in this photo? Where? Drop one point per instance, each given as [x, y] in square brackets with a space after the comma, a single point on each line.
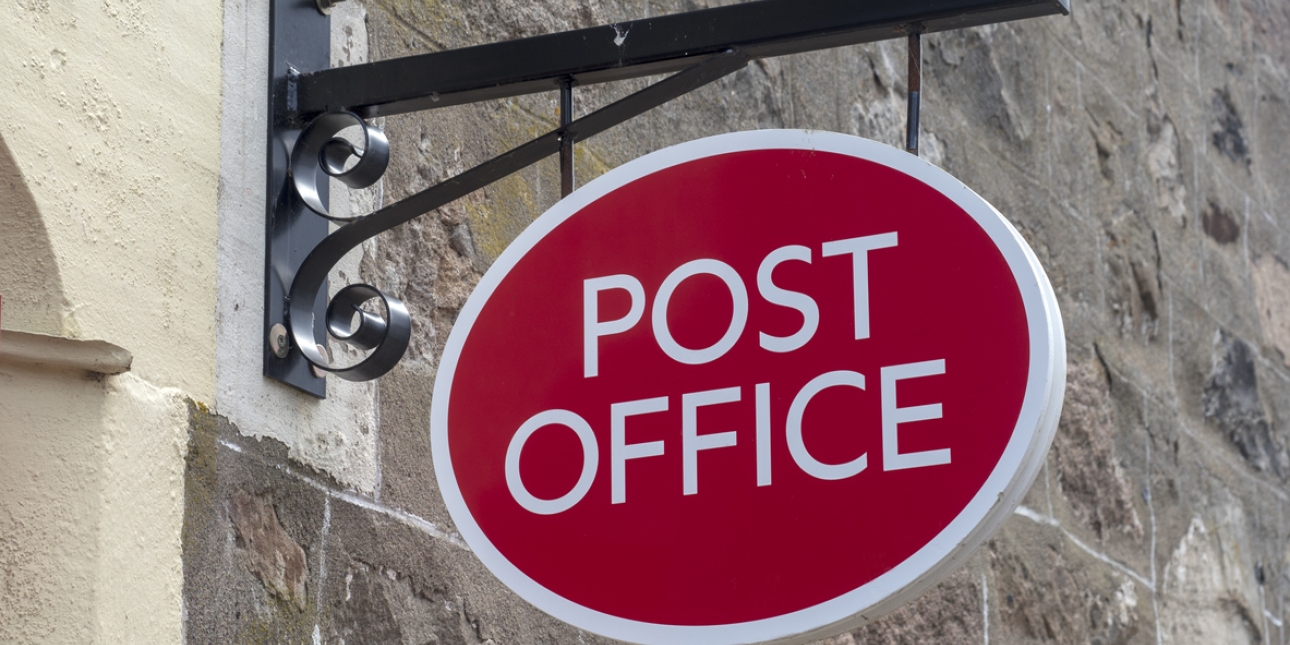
[760, 29]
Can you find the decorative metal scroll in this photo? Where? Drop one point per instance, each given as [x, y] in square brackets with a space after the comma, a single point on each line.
[387, 336]
[698, 47]
[319, 150]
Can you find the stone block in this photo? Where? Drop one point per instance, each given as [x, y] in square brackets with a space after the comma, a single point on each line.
[412, 587]
[248, 509]
[1045, 588]
[950, 612]
[1096, 464]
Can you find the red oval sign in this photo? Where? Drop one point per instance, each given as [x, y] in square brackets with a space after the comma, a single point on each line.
[749, 388]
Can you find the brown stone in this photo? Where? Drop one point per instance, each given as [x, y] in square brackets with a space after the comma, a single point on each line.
[1088, 472]
[1272, 293]
[949, 613]
[271, 554]
[1220, 224]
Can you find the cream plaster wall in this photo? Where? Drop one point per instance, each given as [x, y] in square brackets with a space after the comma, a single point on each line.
[138, 580]
[111, 114]
[109, 129]
[91, 508]
[50, 467]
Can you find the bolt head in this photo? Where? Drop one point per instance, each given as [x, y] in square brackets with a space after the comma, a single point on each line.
[279, 341]
[318, 371]
[325, 6]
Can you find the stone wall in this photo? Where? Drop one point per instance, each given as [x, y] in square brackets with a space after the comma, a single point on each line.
[1139, 146]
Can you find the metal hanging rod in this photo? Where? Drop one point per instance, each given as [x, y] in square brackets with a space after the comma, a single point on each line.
[310, 106]
[566, 142]
[915, 91]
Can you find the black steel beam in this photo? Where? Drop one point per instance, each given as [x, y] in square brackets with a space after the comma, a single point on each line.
[760, 29]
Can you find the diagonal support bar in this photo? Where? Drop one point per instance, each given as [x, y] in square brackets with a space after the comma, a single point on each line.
[311, 279]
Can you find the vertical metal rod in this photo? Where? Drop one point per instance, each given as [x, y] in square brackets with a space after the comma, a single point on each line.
[915, 88]
[566, 141]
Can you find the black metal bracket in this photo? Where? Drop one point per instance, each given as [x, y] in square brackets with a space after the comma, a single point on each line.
[311, 104]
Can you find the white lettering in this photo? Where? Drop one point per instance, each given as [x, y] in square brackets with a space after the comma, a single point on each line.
[692, 442]
[892, 416]
[785, 298]
[593, 328]
[763, 434]
[858, 248]
[620, 451]
[738, 318]
[809, 464]
[590, 462]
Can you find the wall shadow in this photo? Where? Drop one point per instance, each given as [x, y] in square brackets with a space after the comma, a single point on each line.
[29, 279]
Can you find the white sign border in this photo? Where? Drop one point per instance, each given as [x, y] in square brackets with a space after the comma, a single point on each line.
[979, 520]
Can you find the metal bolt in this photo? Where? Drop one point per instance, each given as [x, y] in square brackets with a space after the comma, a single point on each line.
[325, 5]
[318, 371]
[279, 342]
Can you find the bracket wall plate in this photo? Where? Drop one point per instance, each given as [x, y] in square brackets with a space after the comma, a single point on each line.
[299, 41]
